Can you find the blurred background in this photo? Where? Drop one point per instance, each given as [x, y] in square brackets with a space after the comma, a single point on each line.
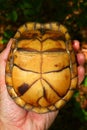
[71, 13]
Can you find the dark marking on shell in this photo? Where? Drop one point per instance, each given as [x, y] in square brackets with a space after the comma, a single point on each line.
[23, 88]
[56, 65]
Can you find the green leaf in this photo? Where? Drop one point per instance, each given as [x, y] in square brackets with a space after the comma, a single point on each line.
[85, 113]
[25, 5]
[85, 81]
[14, 16]
[4, 41]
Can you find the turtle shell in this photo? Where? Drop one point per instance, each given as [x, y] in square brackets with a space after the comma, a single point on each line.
[41, 70]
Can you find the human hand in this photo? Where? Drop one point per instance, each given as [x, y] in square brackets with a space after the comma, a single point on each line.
[80, 60]
[12, 116]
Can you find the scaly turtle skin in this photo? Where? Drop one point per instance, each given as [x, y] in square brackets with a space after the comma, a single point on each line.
[41, 70]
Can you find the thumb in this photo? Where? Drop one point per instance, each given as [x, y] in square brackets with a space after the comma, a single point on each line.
[4, 54]
[3, 58]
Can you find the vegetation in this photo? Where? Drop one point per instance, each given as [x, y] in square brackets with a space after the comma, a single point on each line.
[71, 13]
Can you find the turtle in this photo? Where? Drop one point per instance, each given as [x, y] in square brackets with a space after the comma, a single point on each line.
[41, 69]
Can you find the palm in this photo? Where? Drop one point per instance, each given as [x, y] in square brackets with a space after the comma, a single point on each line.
[16, 116]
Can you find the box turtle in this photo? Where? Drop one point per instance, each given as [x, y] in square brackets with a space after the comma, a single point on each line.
[41, 70]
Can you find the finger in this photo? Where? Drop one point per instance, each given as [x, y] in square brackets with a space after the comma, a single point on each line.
[4, 54]
[3, 58]
[81, 73]
[76, 45]
[81, 58]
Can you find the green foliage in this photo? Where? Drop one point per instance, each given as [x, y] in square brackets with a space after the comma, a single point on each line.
[13, 16]
[71, 13]
[18, 12]
[6, 36]
[44, 10]
[21, 10]
[85, 81]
